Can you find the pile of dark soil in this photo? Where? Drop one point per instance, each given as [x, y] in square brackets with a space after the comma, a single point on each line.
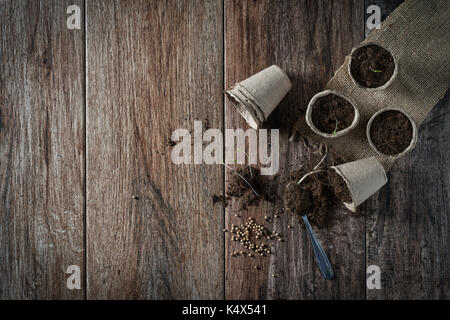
[313, 197]
[338, 186]
[372, 66]
[220, 199]
[298, 200]
[391, 132]
[332, 113]
[238, 188]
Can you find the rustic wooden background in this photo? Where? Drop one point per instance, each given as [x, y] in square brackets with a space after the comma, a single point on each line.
[85, 171]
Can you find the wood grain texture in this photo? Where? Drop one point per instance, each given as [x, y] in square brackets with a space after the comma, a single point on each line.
[41, 150]
[407, 221]
[152, 230]
[309, 40]
[154, 66]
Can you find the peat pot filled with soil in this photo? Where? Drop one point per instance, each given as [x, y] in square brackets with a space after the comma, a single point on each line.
[372, 67]
[331, 115]
[392, 132]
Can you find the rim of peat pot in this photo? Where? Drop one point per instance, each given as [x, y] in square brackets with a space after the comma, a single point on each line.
[384, 86]
[349, 205]
[340, 132]
[256, 97]
[363, 178]
[244, 106]
[414, 137]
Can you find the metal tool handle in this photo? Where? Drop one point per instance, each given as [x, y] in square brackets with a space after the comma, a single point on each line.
[321, 257]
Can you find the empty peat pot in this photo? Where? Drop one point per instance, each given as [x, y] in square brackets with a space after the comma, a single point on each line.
[392, 132]
[331, 115]
[372, 67]
[362, 179]
[256, 97]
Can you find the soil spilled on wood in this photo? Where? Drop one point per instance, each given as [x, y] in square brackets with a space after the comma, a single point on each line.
[372, 66]
[220, 199]
[339, 187]
[332, 113]
[391, 132]
[298, 200]
[312, 197]
[237, 186]
[251, 190]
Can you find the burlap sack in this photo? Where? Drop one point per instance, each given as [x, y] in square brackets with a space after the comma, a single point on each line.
[417, 34]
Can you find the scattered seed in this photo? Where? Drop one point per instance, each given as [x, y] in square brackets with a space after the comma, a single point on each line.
[248, 233]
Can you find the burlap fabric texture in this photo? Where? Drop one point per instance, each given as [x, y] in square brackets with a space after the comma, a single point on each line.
[417, 34]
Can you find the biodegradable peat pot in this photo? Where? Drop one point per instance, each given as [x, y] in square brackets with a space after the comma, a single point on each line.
[372, 67]
[363, 178]
[392, 132]
[256, 97]
[331, 114]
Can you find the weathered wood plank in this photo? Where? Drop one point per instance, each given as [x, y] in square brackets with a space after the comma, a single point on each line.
[309, 40]
[154, 66]
[407, 222]
[41, 150]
